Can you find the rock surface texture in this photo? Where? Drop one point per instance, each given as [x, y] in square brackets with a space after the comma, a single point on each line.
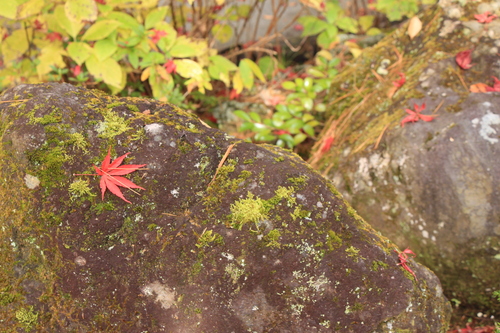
[263, 245]
[431, 186]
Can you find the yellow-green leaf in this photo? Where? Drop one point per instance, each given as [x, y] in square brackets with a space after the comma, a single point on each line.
[255, 69]
[29, 8]
[222, 32]
[223, 63]
[188, 68]
[101, 30]
[155, 16]
[237, 82]
[81, 10]
[79, 52]
[366, 22]
[104, 49]
[108, 70]
[71, 27]
[182, 51]
[246, 74]
[51, 55]
[15, 45]
[9, 9]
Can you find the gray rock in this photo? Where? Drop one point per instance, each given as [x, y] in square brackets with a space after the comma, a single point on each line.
[263, 245]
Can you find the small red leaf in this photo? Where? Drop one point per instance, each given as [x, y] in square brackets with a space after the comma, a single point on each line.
[110, 175]
[464, 59]
[485, 17]
[414, 116]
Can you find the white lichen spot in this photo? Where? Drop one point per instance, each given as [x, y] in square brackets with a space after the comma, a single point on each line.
[425, 234]
[154, 129]
[486, 123]
[228, 256]
[164, 295]
[319, 204]
[80, 261]
[31, 181]
[175, 192]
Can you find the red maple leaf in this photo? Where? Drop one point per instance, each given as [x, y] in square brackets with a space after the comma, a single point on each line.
[327, 144]
[399, 83]
[414, 116]
[403, 260]
[464, 59]
[496, 85]
[157, 35]
[110, 175]
[485, 17]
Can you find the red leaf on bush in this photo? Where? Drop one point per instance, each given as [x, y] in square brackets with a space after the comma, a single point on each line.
[53, 36]
[157, 35]
[414, 116]
[170, 66]
[485, 17]
[464, 59]
[76, 70]
[110, 175]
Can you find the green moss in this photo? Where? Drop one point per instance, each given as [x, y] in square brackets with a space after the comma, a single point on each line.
[112, 125]
[207, 237]
[248, 210]
[377, 264]
[47, 163]
[249, 161]
[79, 141]
[353, 253]
[234, 272]
[333, 241]
[298, 181]
[279, 159]
[27, 318]
[299, 213]
[55, 116]
[272, 239]
[133, 108]
[80, 189]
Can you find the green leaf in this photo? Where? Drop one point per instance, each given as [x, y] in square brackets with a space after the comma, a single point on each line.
[246, 74]
[126, 20]
[312, 25]
[289, 85]
[243, 10]
[315, 72]
[373, 32]
[299, 138]
[223, 62]
[293, 125]
[155, 16]
[267, 65]
[265, 137]
[81, 10]
[101, 30]
[255, 117]
[222, 32]
[183, 51]
[365, 22]
[70, 26]
[133, 58]
[320, 107]
[152, 58]
[348, 24]
[243, 115]
[255, 69]
[104, 49]
[108, 70]
[79, 52]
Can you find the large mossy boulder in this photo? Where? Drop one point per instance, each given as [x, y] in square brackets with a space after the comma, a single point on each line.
[433, 186]
[226, 236]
